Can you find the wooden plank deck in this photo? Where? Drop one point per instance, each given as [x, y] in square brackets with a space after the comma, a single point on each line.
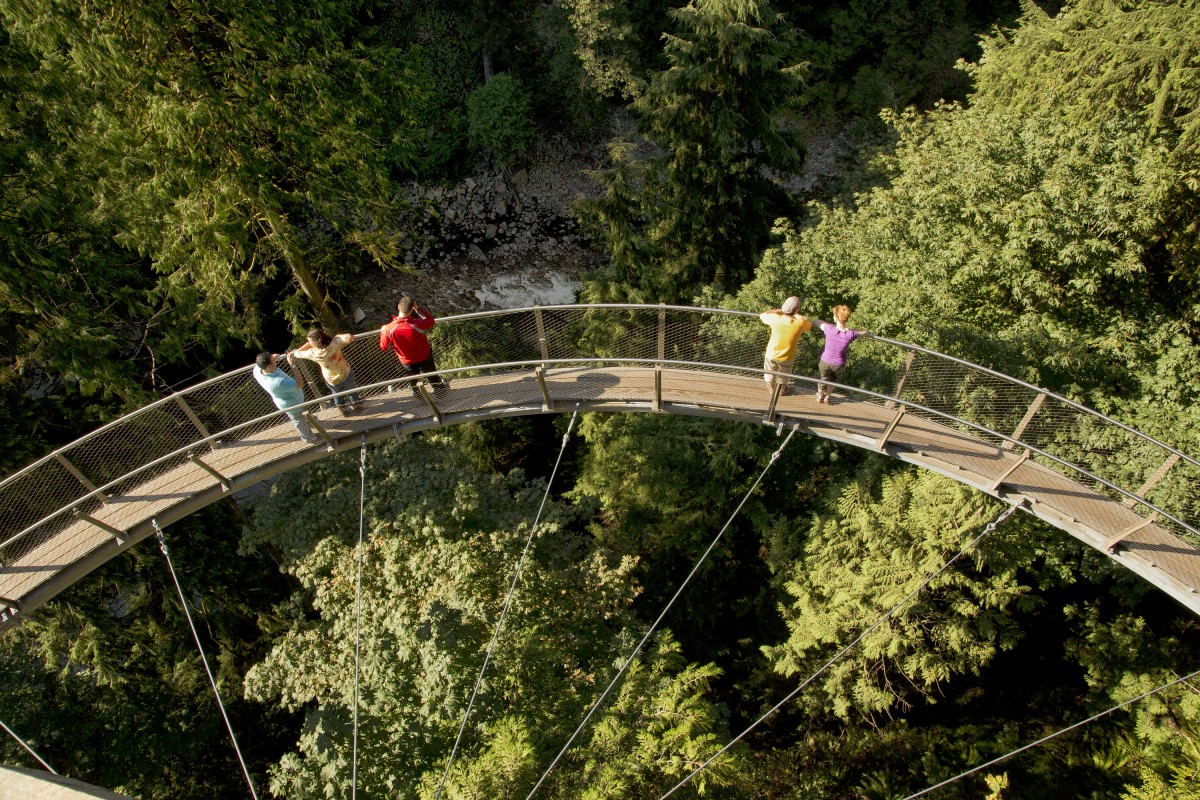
[71, 547]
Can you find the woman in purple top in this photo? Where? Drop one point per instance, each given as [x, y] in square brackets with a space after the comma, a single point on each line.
[837, 340]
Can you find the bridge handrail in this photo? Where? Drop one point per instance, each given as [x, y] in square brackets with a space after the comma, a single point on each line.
[894, 342]
[612, 306]
[235, 377]
[642, 362]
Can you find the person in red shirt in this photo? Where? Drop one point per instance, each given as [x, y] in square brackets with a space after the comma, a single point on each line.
[405, 334]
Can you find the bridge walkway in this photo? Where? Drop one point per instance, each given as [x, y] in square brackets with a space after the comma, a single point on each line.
[221, 467]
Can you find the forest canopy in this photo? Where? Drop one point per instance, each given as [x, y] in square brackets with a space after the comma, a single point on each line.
[1019, 186]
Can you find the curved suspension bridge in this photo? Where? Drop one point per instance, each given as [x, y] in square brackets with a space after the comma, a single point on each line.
[1124, 493]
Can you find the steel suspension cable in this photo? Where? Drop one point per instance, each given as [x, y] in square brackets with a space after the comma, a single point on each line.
[32, 752]
[1045, 739]
[695, 568]
[162, 544]
[362, 492]
[507, 602]
[990, 527]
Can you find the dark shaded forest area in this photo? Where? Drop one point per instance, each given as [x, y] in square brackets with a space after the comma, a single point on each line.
[1019, 186]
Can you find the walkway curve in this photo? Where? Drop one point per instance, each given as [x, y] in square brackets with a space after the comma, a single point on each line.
[1124, 493]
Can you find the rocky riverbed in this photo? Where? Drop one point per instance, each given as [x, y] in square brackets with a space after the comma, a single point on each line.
[497, 239]
[502, 239]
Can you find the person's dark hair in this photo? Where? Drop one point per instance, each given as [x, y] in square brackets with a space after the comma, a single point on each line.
[264, 359]
[319, 337]
[404, 307]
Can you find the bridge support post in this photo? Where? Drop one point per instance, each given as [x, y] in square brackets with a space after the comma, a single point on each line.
[424, 390]
[191, 415]
[1154, 479]
[547, 403]
[657, 387]
[1011, 469]
[776, 391]
[302, 368]
[1033, 409]
[883, 440]
[1115, 542]
[662, 331]
[221, 479]
[319, 428]
[79, 476]
[912, 354]
[541, 334]
[122, 536]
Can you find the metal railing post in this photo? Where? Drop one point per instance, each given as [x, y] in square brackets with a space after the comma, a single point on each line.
[883, 440]
[1150, 483]
[662, 331]
[903, 377]
[79, 476]
[1011, 469]
[121, 535]
[547, 403]
[543, 348]
[316, 425]
[424, 390]
[191, 415]
[1114, 542]
[1029, 413]
[776, 391]
[221, 479]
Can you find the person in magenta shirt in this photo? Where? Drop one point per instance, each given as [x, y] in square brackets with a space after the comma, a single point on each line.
[837, 341]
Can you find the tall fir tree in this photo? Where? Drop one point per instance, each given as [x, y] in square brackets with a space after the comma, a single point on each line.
[699, 211]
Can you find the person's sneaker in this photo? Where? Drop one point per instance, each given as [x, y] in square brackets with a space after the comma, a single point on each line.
[309, 439]
[391, 387]
[346, 410]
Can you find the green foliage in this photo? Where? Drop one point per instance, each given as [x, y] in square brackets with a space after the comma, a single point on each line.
[861, 561]
[656, 731]
[867, 55]
[72, 301]
[106, 684]
[444, 54]
[211, 140]
[1124, 657]
[498, 119]
[606, 48]
[697, 213]
[563, 98]
[1102, 59]
[1182, 785]
[442, 539]
[1133, 63]
[1032, 243]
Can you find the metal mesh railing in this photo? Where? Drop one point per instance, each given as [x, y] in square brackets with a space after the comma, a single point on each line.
[41, 499]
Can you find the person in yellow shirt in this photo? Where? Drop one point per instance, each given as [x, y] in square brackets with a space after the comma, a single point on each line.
[786, 324]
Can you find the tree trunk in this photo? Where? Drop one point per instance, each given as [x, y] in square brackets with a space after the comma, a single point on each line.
[308, 282]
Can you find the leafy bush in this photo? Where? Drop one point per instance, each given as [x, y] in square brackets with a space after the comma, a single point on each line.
[499, 122]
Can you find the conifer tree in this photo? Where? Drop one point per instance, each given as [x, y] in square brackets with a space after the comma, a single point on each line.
[442, 542]
[219, 142]
[698, 212]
